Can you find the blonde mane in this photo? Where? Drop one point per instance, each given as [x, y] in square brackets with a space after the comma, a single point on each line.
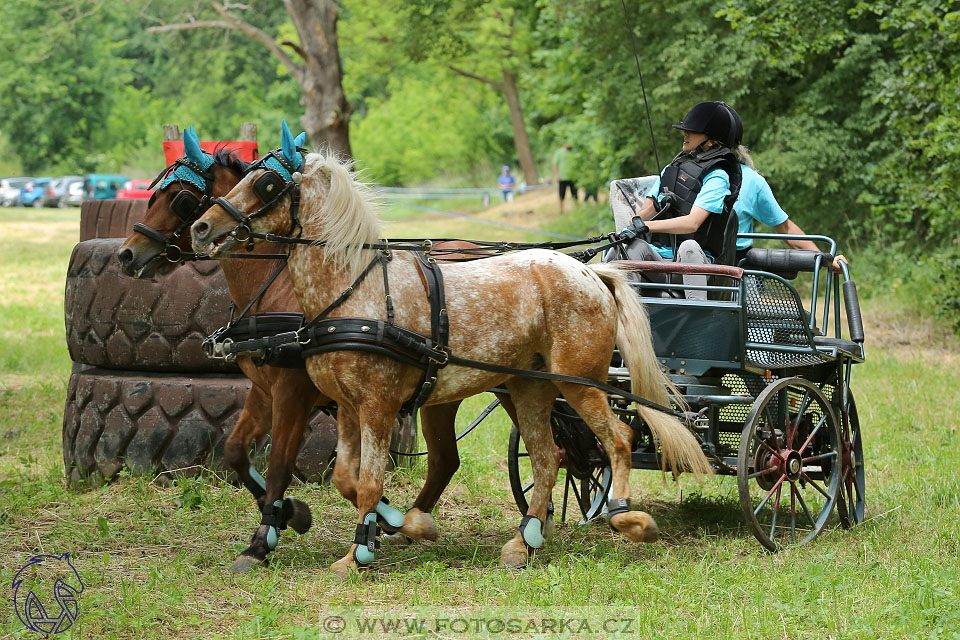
[345, 217]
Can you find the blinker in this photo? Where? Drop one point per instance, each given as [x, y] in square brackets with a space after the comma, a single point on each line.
[184, 205]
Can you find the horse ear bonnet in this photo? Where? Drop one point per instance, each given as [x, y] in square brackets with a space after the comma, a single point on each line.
[194, 154]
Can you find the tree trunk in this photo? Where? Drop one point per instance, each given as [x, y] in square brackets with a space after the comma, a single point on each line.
[326, 115]
[520, 140]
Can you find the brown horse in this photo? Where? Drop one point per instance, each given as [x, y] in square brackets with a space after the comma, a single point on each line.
[532, 310]
[280, 399]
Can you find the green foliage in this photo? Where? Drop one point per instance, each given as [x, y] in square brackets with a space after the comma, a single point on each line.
[84, 86]
[946, 294]
[58, 89]
[429, 129]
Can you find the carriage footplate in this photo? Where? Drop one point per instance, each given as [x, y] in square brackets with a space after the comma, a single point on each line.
[389, 518]
[616, 506]
[366, 539]
[531, 529]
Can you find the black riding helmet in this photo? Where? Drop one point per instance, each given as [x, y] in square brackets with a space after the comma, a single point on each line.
[716, 119]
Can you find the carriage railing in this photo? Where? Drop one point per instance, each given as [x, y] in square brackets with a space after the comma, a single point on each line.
[825, 292]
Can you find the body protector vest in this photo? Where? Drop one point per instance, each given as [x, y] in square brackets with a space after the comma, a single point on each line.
[679, 185]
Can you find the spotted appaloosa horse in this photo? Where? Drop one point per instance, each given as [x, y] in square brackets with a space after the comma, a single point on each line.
[280, 399]
[533, 309]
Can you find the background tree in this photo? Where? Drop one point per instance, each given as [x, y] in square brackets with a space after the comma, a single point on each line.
[488, 42]
[326, 115]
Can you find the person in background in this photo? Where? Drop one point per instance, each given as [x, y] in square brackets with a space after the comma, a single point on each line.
[506, 182]
[563, 174]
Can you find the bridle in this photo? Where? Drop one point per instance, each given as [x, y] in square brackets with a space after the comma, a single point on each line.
[185, 205]
[269, 189]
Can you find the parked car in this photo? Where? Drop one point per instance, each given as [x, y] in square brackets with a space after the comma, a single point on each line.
[74, 195]
[59, 189]
[100, 186]
[10, 190]
[134, 189]
[31, 195]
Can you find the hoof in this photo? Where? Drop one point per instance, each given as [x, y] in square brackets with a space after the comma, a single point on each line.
[636, 525]
[245, 564]
[398, 539]
[514, 554]
[301, 519]
[345, 567]
[419, 525]
[550, 526]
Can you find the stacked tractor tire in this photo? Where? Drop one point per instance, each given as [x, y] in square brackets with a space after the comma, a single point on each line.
[142, 395]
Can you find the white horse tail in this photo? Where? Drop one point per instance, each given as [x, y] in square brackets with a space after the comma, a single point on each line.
[680, 450]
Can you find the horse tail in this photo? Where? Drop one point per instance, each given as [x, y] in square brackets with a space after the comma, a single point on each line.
[680, 450]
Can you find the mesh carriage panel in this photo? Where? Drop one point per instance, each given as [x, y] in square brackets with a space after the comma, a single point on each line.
[776, 317]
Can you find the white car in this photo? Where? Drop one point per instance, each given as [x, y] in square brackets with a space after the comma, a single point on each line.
[10, 190]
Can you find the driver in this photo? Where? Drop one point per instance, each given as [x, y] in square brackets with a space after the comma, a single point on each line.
[686, 209]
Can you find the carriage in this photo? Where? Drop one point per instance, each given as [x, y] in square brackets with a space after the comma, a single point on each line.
[766, 384]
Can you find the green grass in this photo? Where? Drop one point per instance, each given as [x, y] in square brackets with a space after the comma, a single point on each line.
[154, 557]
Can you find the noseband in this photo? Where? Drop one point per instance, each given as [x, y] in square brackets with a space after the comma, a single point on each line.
[185, 206]
[269, 189]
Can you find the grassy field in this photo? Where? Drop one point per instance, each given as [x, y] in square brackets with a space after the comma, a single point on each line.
[154, 558]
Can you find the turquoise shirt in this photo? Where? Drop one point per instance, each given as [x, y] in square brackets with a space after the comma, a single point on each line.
[755, 202]
[716, 187]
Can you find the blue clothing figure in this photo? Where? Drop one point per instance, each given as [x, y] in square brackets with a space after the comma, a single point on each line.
[716, 187]
[506, 183]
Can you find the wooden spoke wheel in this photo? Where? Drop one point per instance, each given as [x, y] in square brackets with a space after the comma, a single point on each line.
[585, 488]
[850, 502]
[789, 464]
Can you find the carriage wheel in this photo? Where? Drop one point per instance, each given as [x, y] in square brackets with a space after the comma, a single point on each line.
[850, 502]
[588, 494]
[788, 469]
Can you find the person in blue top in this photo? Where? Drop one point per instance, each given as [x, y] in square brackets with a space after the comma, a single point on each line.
[506, 182]
[686, 209]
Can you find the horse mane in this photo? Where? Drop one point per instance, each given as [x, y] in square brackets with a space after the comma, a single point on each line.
[346, 215]
[227, 158]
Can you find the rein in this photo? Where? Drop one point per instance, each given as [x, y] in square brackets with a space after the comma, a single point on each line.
[357, 334]
[484, 249]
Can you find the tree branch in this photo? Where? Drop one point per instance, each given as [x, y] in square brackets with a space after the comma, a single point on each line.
[467, 74]
[254, 33]
[234, 23]
[295, 47]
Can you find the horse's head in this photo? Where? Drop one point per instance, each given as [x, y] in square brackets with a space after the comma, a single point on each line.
[266, 200]
[187, 188]
[337, 209]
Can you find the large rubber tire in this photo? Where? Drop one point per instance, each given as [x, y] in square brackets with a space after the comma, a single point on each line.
[109, 218]
[116, 420]
[156, 324]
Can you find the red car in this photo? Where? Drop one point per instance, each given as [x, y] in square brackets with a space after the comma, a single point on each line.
[134, 189]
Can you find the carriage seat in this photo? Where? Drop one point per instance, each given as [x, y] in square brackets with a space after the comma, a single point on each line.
[786, 263]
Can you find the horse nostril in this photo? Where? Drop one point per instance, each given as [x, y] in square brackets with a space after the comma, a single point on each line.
[201, 229]
[125, 256]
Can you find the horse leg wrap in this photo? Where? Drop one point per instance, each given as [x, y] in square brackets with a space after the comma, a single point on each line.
[271, 519]
[615, 506]
[255, 484]
[389, 519]
[366, 539]
[531, 528]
